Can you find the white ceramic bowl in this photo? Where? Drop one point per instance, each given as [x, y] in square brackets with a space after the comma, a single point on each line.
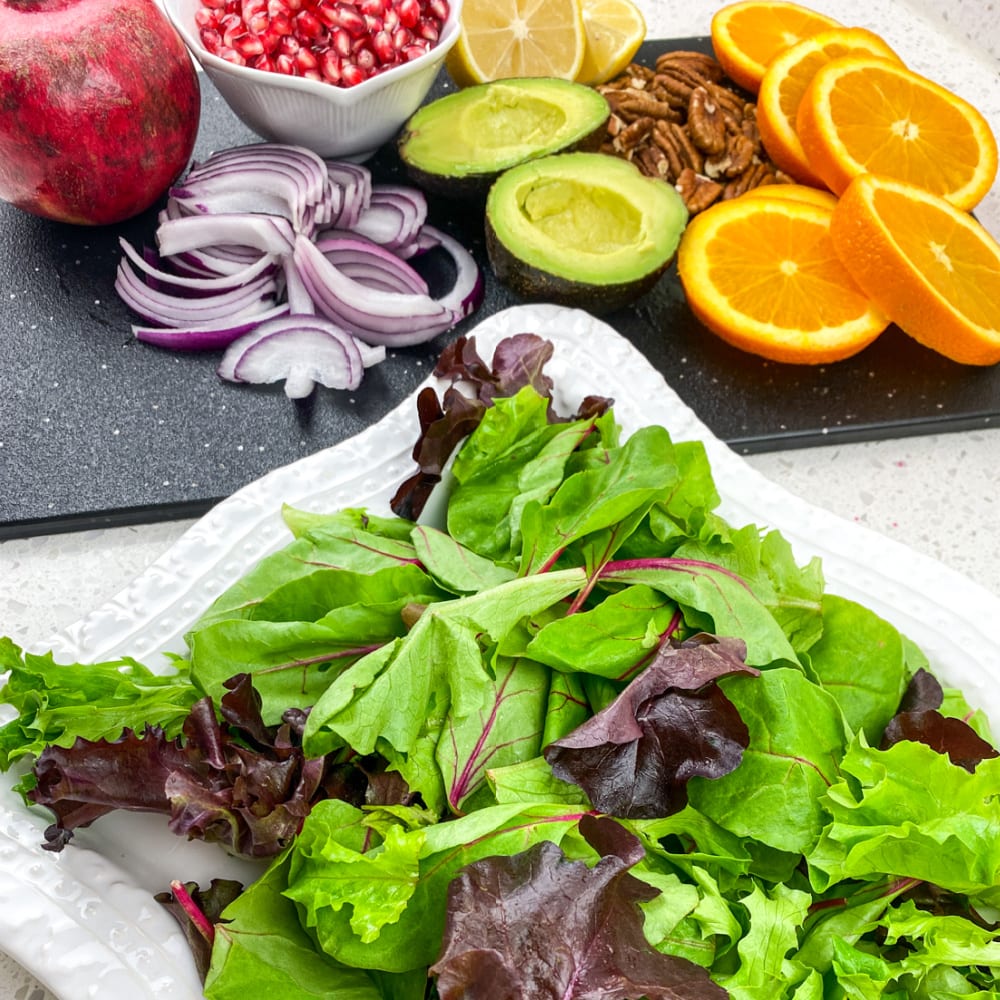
[347, 123]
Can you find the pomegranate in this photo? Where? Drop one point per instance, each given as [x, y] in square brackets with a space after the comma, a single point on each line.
[99, 107]
[342, 42]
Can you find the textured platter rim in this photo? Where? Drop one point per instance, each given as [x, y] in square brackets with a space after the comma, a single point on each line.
[83, 921]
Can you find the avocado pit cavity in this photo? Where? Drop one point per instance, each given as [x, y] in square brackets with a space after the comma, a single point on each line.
[582, 229]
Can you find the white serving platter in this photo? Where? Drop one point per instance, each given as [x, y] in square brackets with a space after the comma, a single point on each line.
[84, 921]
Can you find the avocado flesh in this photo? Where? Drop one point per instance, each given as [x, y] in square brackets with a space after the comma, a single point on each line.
[582, 229]
[476, 133]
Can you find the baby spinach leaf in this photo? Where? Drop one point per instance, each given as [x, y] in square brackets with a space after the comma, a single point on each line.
[318, 595]
[293, 661]
[613, 639]
[348, 539]
[609, 497]
[775, 795]
[860, 660]
[515, 457]
[713, 599]
[672, 723]
[538, 924]
[454, 566]
[532, 781]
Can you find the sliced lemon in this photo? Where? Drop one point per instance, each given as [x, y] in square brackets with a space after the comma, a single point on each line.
[501, 39]
[614, 30]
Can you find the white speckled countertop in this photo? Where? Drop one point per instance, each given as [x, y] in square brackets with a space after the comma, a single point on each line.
[937, 494]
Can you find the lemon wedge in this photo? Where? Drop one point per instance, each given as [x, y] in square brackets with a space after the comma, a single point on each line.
[501, 39]
[614, 30]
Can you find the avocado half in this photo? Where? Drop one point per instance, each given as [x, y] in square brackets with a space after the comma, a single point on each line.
[457, 145]
[582, 229]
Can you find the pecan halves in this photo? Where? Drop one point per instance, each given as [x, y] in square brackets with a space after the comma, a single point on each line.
[737, 157]
[697, 191]
[685, 122]
[706, 122]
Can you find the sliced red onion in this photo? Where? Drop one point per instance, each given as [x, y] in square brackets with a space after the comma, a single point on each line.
[272, 248]
[205, 336]
[274, 180]
[166, 309]
[217, 261]
[296, 293]
[302, 350]
[355, 180]
[195, 284]
[298, 162]
[391, 318]
[466, 294]
[371, 264]
[394, 216]
[267, 233]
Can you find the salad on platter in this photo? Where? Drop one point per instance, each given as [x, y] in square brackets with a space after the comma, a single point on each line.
[555, 726]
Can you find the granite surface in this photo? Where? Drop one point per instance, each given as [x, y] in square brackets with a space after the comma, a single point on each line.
[936, 493]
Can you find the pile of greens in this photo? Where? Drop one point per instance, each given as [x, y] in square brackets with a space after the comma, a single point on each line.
[583, 739]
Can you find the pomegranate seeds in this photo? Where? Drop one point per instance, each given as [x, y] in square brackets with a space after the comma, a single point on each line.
[341, 42]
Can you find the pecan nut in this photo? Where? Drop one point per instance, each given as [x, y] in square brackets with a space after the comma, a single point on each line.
[697, 191]
[706, 122]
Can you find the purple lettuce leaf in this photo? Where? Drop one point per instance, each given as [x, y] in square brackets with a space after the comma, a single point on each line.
[945, 734]
[919, 721]
[672, 723]
[237, 782]
[538, 925]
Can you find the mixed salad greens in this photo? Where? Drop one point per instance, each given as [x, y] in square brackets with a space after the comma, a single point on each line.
[582, 738]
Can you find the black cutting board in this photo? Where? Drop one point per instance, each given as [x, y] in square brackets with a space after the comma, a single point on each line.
[97, 429]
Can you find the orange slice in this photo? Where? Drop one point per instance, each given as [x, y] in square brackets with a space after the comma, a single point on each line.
[763, 275]
[786, 79]
[861, 114]
[748, 34]
[793, 192]
[933, 268]
[500, 39]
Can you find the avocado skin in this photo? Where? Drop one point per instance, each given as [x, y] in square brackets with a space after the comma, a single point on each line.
[475, 186]
[535, 285]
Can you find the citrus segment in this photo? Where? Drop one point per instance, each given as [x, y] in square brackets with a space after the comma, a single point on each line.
[862, 114]
[763, 275]
[500, 39]
[614, 30]
[748, 34]
[787, 78]
[793, 192]
[931, 267]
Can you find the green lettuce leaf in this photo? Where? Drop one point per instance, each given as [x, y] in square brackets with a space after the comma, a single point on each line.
[909, 811]
[58, 703]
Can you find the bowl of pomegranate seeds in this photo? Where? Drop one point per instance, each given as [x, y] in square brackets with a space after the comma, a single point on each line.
[338, 76]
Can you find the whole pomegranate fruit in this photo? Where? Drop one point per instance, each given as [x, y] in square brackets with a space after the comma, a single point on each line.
[99, 107]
